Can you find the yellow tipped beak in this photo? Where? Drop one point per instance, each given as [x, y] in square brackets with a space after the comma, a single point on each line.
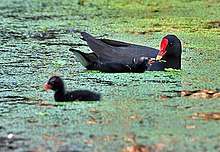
[159, 57]
[44, 89]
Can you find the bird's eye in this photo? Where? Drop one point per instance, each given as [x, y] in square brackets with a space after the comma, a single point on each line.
[171, 43]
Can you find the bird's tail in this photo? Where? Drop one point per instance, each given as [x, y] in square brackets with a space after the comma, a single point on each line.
[80, 56]
[86, 36]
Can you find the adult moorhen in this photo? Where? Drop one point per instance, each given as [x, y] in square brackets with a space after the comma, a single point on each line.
[56, 84]
[105, 50]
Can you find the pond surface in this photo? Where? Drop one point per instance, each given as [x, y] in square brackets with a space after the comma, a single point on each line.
[138, 112]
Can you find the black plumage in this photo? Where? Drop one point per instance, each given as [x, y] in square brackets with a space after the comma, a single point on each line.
[111, 51]
[56, 84]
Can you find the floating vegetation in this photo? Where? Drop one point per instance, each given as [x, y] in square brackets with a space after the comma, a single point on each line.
[138, 111]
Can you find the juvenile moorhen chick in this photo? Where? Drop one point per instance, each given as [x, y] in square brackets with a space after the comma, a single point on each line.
[105, 50]
[116, 67]
[56, 84]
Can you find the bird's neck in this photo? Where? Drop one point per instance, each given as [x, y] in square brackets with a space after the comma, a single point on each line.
[174, 63]
[59, 95]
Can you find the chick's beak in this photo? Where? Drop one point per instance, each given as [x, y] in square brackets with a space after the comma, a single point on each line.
[47, 86]
[163, 51]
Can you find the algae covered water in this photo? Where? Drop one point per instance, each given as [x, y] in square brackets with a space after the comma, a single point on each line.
[138, 112]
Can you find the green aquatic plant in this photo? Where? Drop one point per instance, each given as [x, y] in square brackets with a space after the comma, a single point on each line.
[172, 70]
[59, 62]
[43, 28]
[81, 2]
[137, 110]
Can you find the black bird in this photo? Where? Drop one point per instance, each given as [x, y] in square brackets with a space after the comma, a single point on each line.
[105, 50]
[56, 84]
[114, 67]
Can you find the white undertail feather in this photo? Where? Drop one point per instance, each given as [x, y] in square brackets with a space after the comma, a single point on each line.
[81, 59]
